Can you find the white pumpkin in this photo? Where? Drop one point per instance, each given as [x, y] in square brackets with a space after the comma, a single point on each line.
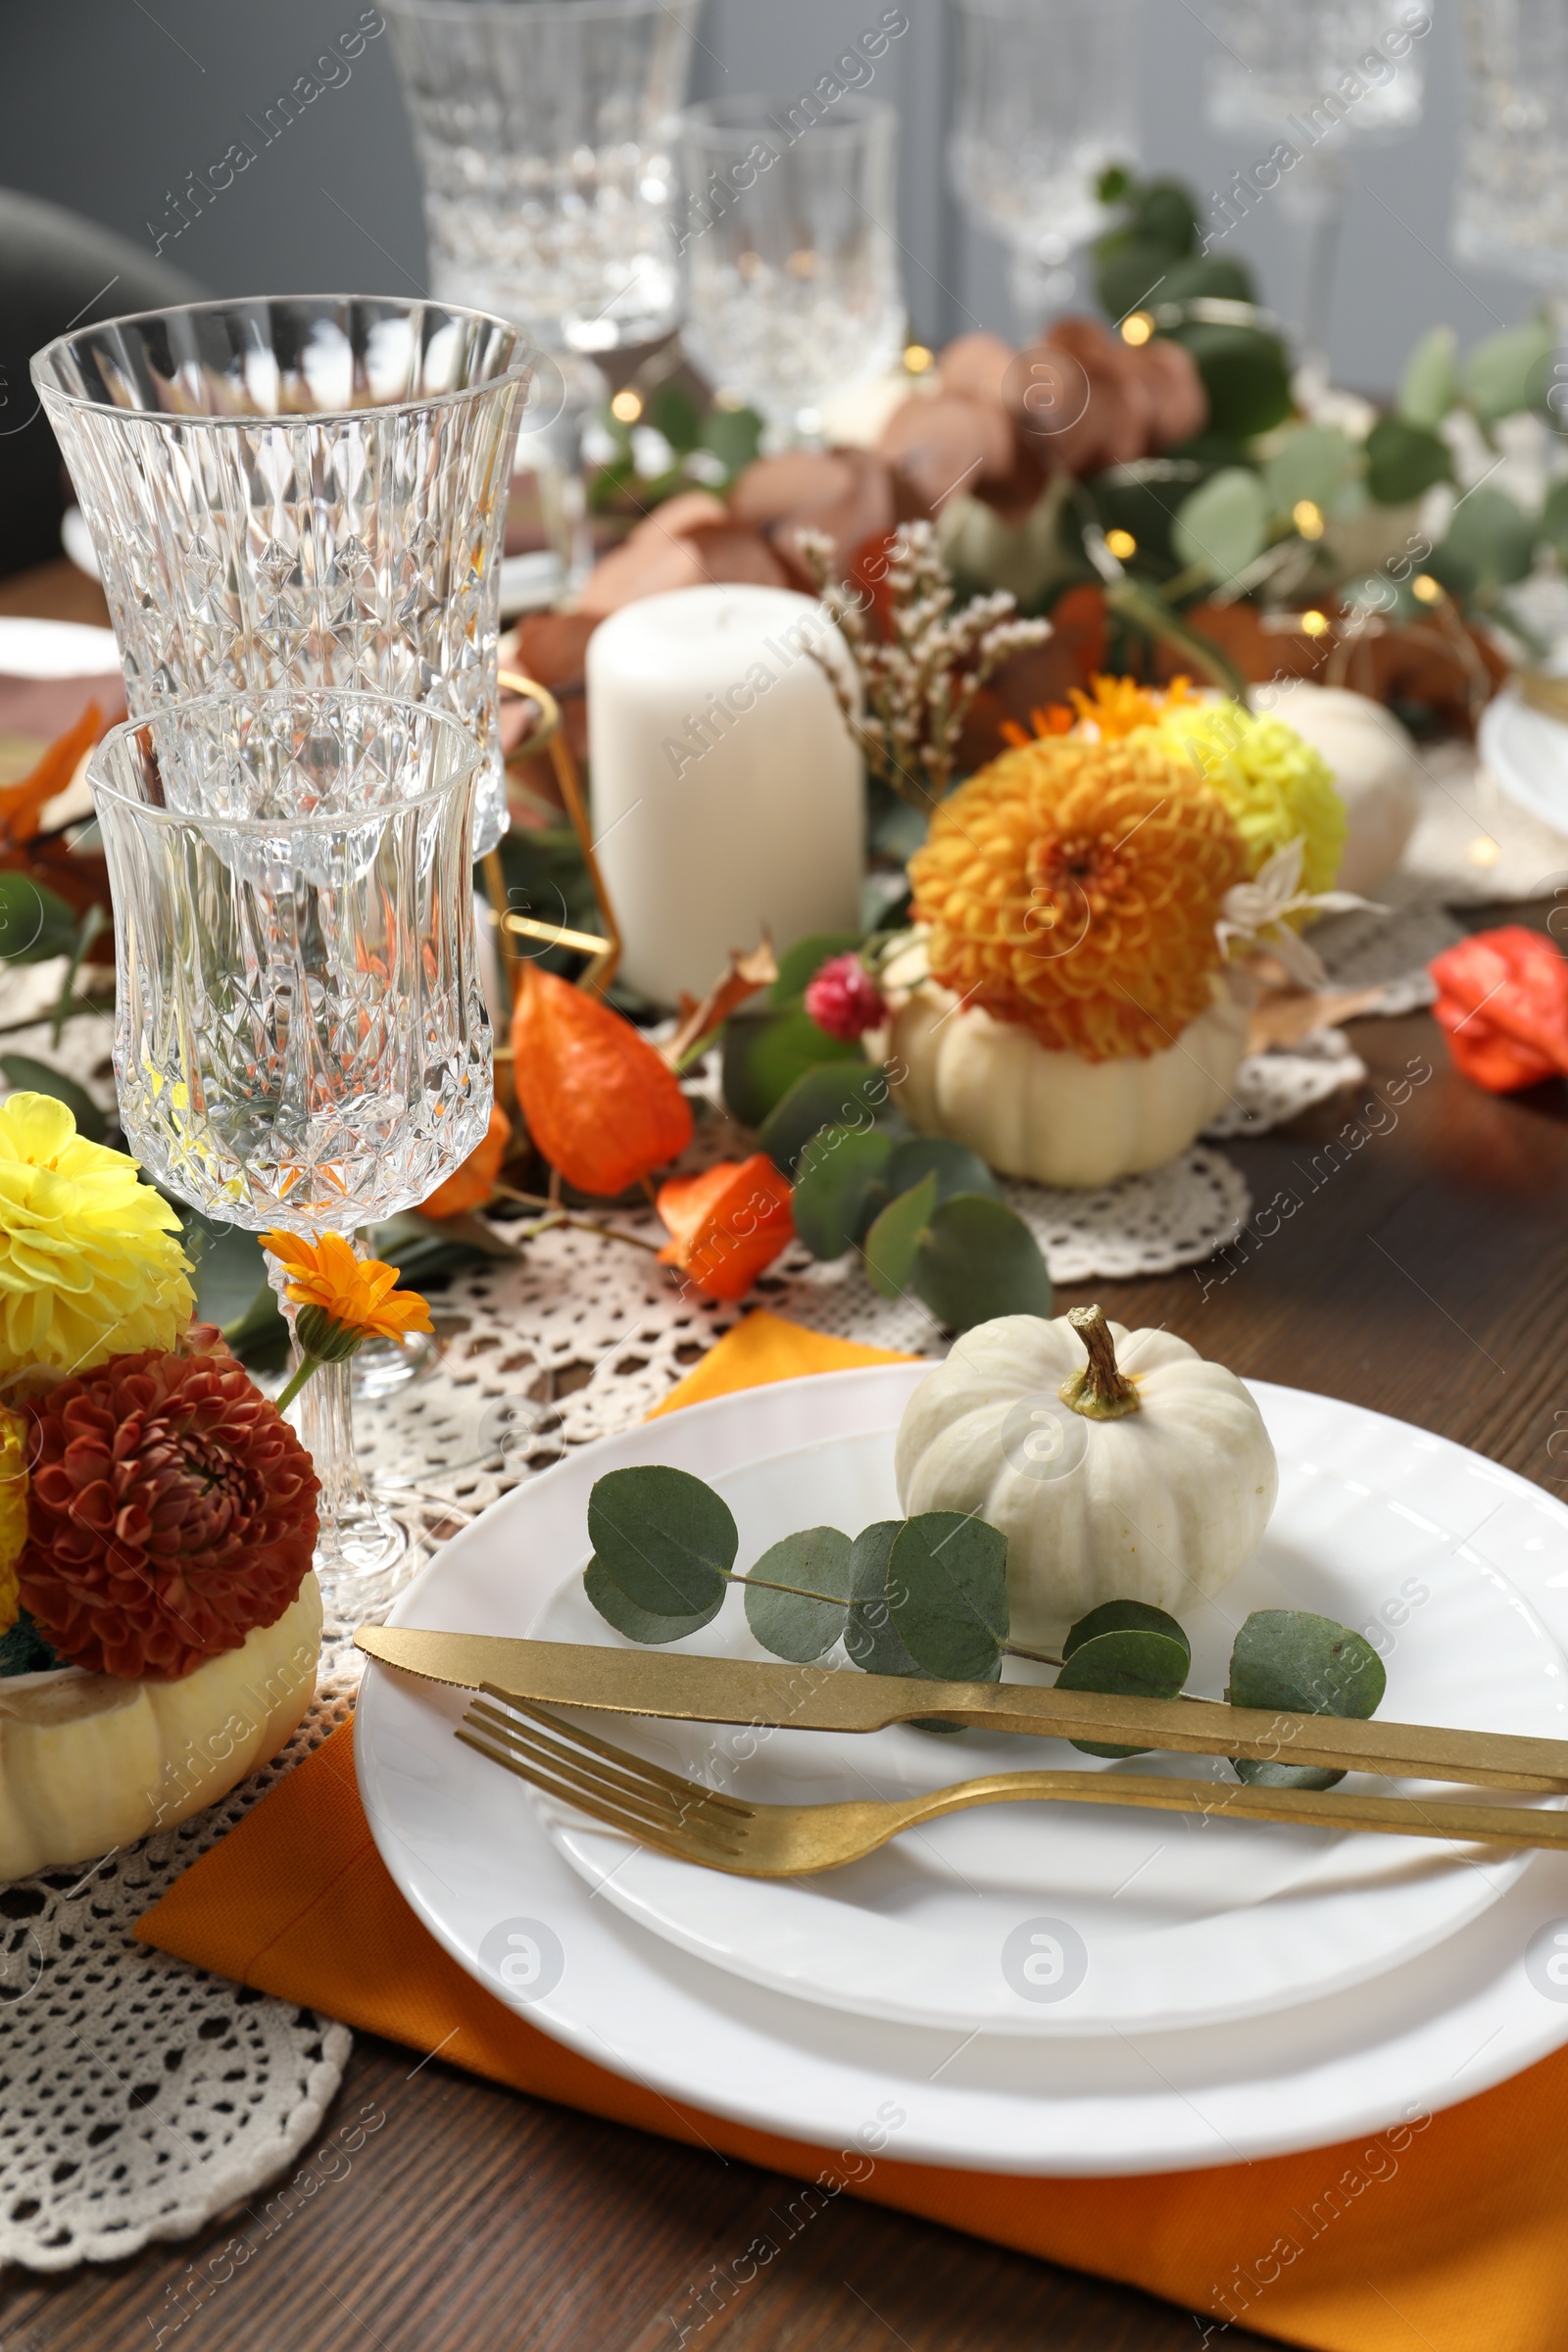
[1055, 1117]
[1119, 1465]
[1376, 772]
[88, 1761]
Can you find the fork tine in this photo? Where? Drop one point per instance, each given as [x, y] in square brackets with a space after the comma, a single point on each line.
[673, 1837]
[562, 1758]
[616, 1755]
[654, 1807]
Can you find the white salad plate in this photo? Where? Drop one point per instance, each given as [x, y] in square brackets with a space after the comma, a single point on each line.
[1173, 1919]
[1527, 751]
[1395, 1980]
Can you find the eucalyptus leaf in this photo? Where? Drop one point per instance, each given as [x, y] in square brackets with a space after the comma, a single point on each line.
[1129, 1648]
[1403, 460]
[870, 1637]
[1430, 384]
[1124, 1617]
[1554, 519]
[1223, 526]
[1296, 1663]
[799, 967]
[954, 1166]
[1311, 463]
[641, 1624]
[978, 1259]
[841, 1186]
[1245, 373]
[894, 1242]
[766, 1053]
[35, 924]
[839, 1095]
[664, 1537]
[819, 1559]
[1509, 371]
[259, 1337]
[1490, 543]
[947, 1590]
[39, 1078]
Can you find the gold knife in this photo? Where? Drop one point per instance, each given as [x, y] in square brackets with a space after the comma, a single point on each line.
[828, 1698]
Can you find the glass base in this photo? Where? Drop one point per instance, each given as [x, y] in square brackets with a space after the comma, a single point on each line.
[364, 1557]
[384, 1368]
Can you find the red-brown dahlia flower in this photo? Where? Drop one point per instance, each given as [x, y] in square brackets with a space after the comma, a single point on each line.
[171, 1510]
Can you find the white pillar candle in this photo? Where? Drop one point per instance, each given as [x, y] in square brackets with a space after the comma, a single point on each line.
[726, 788]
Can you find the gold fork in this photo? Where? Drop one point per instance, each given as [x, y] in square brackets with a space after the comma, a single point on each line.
[791, 1841]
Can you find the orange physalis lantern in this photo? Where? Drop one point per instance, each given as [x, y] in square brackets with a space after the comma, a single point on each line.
[600, 1103]
[726, 1224]
[474, 1183]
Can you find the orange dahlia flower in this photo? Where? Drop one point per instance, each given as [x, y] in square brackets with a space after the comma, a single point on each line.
[171, 1510]
[1074, 886]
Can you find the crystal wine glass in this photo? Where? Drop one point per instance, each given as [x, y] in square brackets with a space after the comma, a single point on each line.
[541, 128]
[1512, 208]
[1047, 98]
[301, 492]
[1322, 79]
[300, 1032]
[791, 265]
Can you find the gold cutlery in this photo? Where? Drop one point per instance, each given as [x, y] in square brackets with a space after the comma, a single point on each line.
[827, 1698]
[660, 1808]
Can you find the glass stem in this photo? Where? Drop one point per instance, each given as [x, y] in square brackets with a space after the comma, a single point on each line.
[326, 1422]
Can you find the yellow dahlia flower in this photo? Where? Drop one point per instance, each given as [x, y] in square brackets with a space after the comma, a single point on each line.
[13, 1511]
[1074, 886]
[90, 1262]
[1276, 787]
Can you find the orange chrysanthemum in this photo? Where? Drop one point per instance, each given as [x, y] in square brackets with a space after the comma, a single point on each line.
[344, 1300]
[1074, 886]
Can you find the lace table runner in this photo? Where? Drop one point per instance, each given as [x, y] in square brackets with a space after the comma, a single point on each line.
[140, 2097]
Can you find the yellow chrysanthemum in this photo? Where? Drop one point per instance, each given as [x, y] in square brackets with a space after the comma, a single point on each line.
[13, 1511]
[91, 1262]
[1276, 787]
[1074, 886]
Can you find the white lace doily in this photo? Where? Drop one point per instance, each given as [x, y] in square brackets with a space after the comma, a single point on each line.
[139, 2096]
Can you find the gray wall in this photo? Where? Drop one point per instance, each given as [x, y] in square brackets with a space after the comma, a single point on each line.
[107, 105]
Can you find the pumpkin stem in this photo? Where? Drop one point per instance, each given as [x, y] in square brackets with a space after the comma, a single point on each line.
[1100, 1392]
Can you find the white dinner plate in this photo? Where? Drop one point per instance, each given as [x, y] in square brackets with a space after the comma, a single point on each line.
[1170, 1920]
[479, 1868]
[55, 649]
[1528, 754]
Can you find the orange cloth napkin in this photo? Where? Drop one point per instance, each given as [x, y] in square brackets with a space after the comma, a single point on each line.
[1448, 2232]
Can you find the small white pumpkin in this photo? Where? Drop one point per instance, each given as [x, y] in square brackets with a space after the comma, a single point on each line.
[1119, 1465]
[88, 1761]
[1375, 769]
[1055, 1117]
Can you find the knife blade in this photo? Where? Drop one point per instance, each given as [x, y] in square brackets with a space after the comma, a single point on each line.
[827, 1698]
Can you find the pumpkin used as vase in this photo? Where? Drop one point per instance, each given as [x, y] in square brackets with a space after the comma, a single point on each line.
[1062, 1006]
[1120, 1465]
[90, 1761]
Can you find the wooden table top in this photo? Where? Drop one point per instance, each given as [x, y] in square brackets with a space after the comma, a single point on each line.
[1418, 1266]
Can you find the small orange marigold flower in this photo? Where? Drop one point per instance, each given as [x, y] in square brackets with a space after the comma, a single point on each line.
[347, 1299]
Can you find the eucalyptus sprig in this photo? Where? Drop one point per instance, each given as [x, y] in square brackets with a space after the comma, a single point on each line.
[927, 1598]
